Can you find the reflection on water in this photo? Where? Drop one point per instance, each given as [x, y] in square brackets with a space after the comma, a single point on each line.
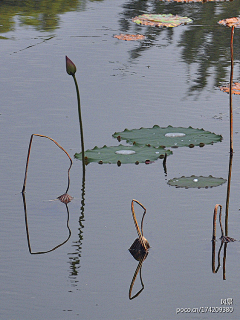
[139, 267]
[225, 239]
[205, 44]
[42, 15]
[28, 235]
[74, 257]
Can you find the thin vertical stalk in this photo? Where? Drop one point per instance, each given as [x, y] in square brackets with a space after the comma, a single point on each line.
[228, 193]
[230, 94]
[80, 121]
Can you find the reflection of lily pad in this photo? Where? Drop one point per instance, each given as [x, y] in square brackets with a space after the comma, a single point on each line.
[161, 20]
[196, 182]
[168, 137]
[123, 154]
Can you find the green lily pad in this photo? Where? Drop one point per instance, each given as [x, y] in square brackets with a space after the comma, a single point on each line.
[168, 137]
[123, 154]
[161, 20]
[196, 182]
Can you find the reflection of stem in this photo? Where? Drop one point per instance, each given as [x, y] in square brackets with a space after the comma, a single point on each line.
[74, 259]
[140, 233]
[224, 261]
[139, 267]
[27, 231]
[164, 163]
[228, 193]
[28, 156]
[80, 120]
[230, 94]
[213, 257]
[214, 239]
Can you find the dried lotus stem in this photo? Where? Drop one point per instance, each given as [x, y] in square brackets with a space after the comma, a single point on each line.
[28, 156]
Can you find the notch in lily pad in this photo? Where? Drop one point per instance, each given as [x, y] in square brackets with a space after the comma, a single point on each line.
[161, 20]
[167, 137]
[196, 182]
[123, 154]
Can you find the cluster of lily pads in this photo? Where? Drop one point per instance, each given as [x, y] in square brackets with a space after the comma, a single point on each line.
[148, 144]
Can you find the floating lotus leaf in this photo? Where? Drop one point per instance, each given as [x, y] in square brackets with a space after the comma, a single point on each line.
[235, 88]
[196, 182]
[168, 137]
[161, 20]
[123, 154]
[130, 37]
[230, 22]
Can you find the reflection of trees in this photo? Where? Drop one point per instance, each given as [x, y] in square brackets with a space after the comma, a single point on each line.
[42, 15]
[135, 8]
[205, 44]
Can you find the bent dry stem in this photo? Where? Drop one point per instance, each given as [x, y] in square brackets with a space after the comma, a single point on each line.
[28, 156]
[142, 239]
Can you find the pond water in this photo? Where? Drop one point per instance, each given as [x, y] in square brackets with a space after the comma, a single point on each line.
[170, 78]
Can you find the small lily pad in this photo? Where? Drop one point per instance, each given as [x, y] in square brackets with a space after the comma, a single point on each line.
[130, 37]
[123, 154]
[168, 137]
[196, 182]
[161, 20]
[231, 22]
[235, 88]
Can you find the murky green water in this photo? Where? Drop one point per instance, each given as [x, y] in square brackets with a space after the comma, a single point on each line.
[170, 78]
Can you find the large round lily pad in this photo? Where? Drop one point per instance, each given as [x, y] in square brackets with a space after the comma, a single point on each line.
[123, 154]
[161, 20]
[168, 136]
[196, 182]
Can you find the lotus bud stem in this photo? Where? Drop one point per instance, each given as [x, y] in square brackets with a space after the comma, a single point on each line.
[71, 70]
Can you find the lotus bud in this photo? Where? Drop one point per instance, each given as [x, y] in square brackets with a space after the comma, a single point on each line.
[70, 67]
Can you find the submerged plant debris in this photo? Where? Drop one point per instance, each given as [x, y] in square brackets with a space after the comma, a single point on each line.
[231, 22]
[130, 37]
[235, 88]
[123, 154]
[168, 137]
[196, 182]
[161, 20]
